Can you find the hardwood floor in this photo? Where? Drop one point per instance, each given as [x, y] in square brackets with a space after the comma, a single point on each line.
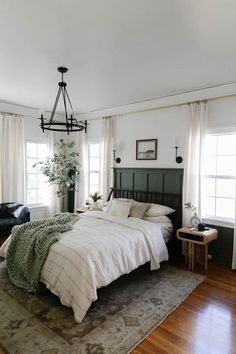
[205, 323]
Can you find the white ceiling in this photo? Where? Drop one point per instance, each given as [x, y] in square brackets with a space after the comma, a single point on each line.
[117, 51]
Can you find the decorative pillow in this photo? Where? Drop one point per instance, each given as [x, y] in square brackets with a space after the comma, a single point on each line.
[158, 210]
[138, 209]
[158, 219]
[5, 213]
[119, 208]
[17, 212]
[107, 206]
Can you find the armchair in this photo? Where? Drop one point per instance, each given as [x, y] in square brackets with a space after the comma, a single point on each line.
[12, 214]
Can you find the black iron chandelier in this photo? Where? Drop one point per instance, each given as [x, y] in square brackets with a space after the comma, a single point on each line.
[70, 124]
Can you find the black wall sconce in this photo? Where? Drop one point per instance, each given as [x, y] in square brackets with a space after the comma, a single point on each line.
[178, 159]
[116, 159]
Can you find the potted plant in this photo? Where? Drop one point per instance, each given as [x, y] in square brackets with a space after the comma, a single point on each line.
[95, 198]
[62, 169]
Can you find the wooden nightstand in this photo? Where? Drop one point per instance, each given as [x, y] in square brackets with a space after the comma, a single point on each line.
[197, 244]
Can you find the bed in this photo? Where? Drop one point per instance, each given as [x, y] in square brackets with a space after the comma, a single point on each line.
[99, 249]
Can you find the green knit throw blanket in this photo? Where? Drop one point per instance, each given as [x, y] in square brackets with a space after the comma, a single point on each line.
[29, 247]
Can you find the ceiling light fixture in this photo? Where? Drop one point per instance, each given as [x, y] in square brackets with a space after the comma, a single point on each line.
[70, 124]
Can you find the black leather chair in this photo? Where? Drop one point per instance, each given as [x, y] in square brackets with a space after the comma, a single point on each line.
[12, 214]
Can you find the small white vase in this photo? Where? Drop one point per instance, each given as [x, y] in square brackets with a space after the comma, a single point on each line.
[95, 205]
[194, 220]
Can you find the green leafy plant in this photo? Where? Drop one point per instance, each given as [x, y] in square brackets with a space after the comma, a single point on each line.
[189, 205]
[62, 169]
[95, 196]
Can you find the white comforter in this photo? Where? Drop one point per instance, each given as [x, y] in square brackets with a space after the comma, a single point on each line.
[98, 250]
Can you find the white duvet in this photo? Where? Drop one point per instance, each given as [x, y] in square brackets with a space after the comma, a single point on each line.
[98, 250]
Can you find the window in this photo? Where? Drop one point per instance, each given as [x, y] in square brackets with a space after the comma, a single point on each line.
[94, 168]
[219, 181]
[36, 183]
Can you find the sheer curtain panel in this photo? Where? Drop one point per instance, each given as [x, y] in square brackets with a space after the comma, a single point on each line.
[106, 156]
[193, 157]
[54, 200]
[234, 244]
[82, 184]
[12, 158]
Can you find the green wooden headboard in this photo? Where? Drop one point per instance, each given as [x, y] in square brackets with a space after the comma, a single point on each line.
[161, 180]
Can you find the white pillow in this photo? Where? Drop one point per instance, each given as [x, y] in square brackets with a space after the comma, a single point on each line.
[119, 208]
[158, 210]
[158, 219]
[107, 206]
[138, 209]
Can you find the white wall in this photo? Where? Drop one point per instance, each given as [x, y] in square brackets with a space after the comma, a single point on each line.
[165, 125]
[32, 128]
[222, 113]
[168, 125]
[95, 129]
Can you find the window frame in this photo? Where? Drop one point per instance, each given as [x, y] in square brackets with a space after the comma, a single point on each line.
[94, 142]
[35, 140]
[220, 221]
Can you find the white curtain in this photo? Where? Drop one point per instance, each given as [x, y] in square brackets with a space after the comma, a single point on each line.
[106, 157]
[54, 201]
[12, 158]
[193, 157]
[234, 244]
[82, 184]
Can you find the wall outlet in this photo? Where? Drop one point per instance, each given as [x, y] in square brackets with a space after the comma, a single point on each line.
[209, 256]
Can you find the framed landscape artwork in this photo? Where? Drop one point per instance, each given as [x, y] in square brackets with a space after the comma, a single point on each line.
[146, 149]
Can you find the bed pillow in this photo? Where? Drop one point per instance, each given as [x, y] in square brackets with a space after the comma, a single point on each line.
[138, 209]
[158, 219]
[119, 208]
[158, 210]
[107, 206]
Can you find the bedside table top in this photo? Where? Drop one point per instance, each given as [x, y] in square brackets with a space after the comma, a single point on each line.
[195, 231]
[193, 235]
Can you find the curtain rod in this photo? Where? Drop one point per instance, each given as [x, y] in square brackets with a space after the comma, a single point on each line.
[12, 114]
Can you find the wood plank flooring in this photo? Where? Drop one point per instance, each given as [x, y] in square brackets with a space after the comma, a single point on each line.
[205, 323]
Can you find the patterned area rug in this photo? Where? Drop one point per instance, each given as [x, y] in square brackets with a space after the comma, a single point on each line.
[125, 313]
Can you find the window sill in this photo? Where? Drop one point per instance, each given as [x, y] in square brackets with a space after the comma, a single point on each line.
[37, 206]
[223, 223]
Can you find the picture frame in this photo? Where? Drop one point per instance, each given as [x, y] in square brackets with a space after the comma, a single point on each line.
[146, 149]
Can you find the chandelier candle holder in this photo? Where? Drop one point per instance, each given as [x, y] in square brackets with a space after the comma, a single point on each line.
[70, 124]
